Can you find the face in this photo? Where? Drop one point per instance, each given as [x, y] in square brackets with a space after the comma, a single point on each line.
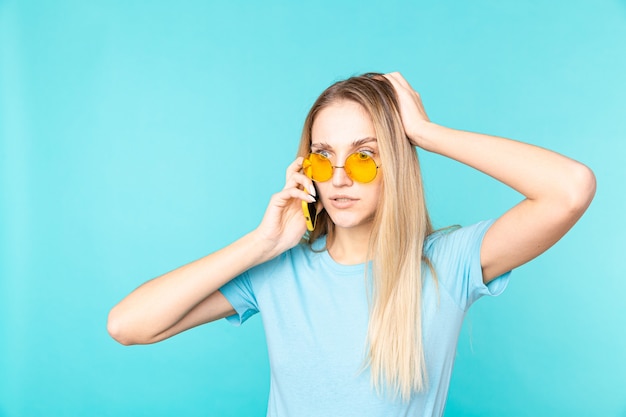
[338, 131]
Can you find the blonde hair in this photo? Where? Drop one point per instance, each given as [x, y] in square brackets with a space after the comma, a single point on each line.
[395, 351]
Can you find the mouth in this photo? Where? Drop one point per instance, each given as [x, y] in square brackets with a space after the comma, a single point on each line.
[343, 198]
[342, 201]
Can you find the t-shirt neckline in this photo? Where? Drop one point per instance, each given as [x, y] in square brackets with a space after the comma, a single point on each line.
[331, 263]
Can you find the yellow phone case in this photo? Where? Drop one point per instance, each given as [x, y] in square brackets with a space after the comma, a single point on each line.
[309, 218]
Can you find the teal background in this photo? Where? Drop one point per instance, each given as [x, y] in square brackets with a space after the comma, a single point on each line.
[135, 137]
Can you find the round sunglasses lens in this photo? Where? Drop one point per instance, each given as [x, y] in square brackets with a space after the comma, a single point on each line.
[320, 168]
[361, 167]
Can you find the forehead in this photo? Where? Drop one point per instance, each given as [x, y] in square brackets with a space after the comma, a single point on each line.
[341, 124]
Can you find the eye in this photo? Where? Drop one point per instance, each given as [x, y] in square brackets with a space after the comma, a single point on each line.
[323, 152]
[363, 153]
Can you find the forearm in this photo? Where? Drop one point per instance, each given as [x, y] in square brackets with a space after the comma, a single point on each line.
[187, 297]
[159, 304]
[557, 189]
[537, 173]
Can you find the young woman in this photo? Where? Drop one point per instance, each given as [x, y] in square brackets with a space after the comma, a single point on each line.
[363, 313]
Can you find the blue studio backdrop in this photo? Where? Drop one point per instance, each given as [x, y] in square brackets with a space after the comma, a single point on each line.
[139, 136]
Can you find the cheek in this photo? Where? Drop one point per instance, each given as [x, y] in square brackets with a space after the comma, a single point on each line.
[375, 199]
[321, 190]
[376, 188]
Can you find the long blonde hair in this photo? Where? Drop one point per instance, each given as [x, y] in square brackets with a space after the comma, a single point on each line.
[395, 351]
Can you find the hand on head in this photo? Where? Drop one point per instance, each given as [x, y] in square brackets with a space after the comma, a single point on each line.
[411, 108]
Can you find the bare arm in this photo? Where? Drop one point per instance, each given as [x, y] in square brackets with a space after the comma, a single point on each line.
[557, 189]
[189, 296]
[184, 297]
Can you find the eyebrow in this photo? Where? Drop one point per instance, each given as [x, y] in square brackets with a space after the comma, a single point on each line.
[355, 144]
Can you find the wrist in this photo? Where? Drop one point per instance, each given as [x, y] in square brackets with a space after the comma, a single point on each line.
[265, 247]
[422, 136]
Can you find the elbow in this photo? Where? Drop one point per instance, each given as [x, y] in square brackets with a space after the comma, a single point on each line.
[581, 189]
[585, 181]
[117, 331]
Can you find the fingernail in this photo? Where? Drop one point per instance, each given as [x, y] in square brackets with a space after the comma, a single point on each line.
[311, 199]
[313, 190]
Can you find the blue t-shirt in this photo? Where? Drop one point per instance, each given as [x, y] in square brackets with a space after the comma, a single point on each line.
[315, 314]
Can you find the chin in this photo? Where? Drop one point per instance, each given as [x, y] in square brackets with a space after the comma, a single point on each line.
[350, 221]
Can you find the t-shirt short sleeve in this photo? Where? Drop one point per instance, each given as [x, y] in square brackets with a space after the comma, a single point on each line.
[455, 256]
[240, 295]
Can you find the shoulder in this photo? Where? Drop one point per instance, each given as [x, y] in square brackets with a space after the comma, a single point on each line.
[454, 239]
[455, 256]
[292, 259]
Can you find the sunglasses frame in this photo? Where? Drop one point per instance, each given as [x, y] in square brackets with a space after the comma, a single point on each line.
[332, 167]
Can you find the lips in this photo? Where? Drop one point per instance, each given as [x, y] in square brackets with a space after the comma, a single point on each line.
[342, 201]
[342, 197]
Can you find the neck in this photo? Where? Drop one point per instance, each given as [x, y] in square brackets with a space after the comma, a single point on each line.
[350, 246]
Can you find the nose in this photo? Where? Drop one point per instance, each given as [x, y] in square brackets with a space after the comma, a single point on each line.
[340, 177]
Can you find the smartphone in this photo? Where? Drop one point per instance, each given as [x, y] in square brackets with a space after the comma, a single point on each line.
[310, 212]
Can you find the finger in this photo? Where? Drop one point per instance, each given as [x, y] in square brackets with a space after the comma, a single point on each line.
[401, 85]
[399, 88]
[299, 179]
[397, 79]
[295, 166]
[282, 198]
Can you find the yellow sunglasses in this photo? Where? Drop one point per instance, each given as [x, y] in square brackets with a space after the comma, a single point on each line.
[359, 166]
